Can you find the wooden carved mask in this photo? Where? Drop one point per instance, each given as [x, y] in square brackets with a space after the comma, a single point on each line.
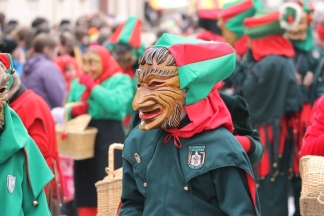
[158, 98]
[92, 64]
[4, 80]
[300, 30]
[123, 54]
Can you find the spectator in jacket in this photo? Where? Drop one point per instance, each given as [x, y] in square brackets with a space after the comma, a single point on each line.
[41, 74]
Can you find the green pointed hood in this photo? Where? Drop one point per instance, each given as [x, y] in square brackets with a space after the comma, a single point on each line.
[201, 64]
[129, 33]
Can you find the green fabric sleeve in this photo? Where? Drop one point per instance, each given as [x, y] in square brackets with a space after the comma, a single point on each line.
[239, 110]
[132, 199]
[232, 191]
[71, 97]
[116, 95]
[28, 198]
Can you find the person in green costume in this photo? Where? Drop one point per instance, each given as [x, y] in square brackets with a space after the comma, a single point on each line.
[306, 60]
[231, 23]
[104, 92]
[126, 47]
[23, 170]
[274, 100]
[182, 159]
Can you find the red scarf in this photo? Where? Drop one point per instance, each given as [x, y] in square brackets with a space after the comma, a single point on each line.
[210, 36]
[320, 31]
[241, 46]
[207, 114]
[271, 45]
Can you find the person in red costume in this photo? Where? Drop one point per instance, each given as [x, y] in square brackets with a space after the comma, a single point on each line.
[69, 68]
[36, 117]
[314, 137]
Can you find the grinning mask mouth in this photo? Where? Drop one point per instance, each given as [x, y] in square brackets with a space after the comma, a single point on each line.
[158, 98]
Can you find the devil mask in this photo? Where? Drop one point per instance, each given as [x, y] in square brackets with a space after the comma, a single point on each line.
[158, 98]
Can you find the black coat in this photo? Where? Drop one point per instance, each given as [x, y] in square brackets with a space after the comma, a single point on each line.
[88, 172]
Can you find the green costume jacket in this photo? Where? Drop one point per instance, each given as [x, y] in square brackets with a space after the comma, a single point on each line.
[23, 171]
[108, 100]
[207, 176]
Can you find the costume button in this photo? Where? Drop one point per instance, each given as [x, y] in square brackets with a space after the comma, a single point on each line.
[144, 185]
[35, 203]
[280, 156]
[295, 131]
[272, 179]
[320, 79]
[275, 165]
[186, 188]
[257, 185]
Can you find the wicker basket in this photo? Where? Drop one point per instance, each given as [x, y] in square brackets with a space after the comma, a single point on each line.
[312, 206]
[78, 139]
[109, 189]
[312, 173]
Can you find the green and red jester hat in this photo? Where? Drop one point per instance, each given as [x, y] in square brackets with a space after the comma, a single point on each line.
[129, 33]
[232, 16]
[234, 13]
[266, 34]
[201, 64]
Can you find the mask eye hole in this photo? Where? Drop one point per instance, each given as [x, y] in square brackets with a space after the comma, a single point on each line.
[154, 84]
[2, 90]
[138, 85]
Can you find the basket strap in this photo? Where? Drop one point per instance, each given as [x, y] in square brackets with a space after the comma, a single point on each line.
[111, 157]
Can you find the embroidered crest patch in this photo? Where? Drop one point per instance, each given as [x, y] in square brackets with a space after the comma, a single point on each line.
[196, 156]
[11, 182]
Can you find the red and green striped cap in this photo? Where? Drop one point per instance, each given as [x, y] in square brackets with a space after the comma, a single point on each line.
[234, 13]
[264, 23]
[128, 32]
[201, 64]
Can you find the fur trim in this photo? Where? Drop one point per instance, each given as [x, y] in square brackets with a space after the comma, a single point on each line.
[283, 23]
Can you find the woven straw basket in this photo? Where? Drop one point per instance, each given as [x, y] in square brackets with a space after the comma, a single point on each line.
[109, 189]
[79, 140]
[312, 195]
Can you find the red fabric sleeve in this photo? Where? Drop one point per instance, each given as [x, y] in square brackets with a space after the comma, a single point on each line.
[38, 134]
[314, 137]
[245, 142]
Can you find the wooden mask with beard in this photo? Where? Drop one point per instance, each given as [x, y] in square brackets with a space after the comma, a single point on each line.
[4, 80]
[158, 98]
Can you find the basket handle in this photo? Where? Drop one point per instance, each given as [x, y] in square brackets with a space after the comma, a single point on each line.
[68, 105]
[111, 157]
[319, 199]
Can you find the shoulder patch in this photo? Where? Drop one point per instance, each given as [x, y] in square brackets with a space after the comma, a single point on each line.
[196, 156]
[11, 182]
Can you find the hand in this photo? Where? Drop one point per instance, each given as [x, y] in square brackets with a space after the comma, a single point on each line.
[308, 79]
[298, 78]
[80, 110]
[87, 80]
